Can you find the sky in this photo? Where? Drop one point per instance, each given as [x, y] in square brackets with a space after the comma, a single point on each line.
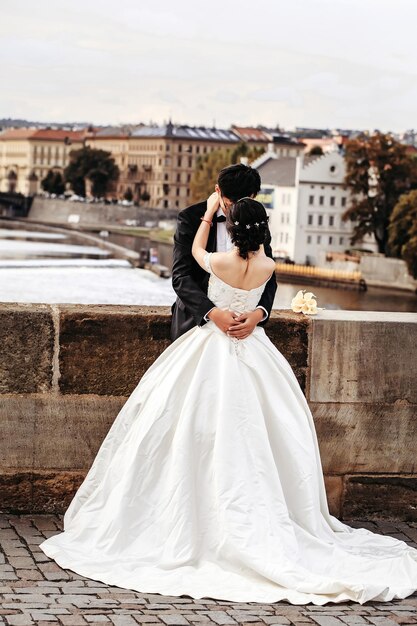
[316, 63]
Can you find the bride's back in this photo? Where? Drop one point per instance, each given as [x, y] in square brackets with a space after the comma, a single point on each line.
[240, 273]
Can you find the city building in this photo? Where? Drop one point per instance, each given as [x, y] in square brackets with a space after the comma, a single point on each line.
[27, 155]
[157, 162]
[279, 195]
[305, 200]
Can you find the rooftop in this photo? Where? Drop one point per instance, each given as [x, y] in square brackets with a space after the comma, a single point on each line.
[187, 132]
[280, 171]
[47, 134]
[248, 133]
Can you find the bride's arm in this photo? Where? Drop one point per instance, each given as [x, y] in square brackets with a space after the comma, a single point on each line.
[198, 249]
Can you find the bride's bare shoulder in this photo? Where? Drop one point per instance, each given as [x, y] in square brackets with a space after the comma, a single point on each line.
[270, 262]
[220, 258]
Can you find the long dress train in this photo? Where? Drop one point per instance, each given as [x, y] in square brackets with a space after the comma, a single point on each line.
[209, 483]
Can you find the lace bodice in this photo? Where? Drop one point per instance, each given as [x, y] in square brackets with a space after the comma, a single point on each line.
[225, 296]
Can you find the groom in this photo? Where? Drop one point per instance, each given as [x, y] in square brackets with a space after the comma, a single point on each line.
[192, 306]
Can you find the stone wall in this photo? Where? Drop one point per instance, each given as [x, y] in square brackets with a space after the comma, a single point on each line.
[381, 271]
[56, 211]
[66, 370]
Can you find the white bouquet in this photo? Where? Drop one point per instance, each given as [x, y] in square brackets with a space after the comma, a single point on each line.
[305, 303]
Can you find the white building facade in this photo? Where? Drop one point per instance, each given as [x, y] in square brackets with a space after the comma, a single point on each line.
[308, 202]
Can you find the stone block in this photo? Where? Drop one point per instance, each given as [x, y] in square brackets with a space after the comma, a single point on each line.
[38, 492]
[27, 345]
[376, 497]
[363, 357]
[49, 431]
[16, 491]
[106, 349]
[374, 438]
[289, 332]
[52, 491]
[334, 492]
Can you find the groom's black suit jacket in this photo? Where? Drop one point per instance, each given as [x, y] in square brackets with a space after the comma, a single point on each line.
[190, 281]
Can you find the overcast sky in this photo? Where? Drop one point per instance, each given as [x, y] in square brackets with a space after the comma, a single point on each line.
[321, 63]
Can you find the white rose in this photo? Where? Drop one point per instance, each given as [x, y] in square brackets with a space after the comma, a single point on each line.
[309, 296]
[297, 307]
[310, 307]
[304, 303]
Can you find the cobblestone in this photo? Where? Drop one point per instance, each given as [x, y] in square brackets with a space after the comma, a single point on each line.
[35, 591]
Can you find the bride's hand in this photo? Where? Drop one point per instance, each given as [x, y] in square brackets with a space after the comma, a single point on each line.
[213, 203]
[245, 323]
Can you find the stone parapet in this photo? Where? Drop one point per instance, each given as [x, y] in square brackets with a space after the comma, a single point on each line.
[66, 371]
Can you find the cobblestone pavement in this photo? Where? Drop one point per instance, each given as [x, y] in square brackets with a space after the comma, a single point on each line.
[34, 590]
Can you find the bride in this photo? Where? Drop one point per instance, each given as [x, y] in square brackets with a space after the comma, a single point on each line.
[209, 482]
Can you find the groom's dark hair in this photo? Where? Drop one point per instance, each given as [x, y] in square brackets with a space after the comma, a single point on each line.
[238, 181]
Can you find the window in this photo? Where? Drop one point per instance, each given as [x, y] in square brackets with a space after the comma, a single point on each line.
[288, 218]
[178, 178]
[282, 218]
[331, 220]
[286, 237]
[179, 147]
[340, 240]
[330, 239]
[190, 161]
[308, 238]
[343, 201]
[318, 238]
[321, 200]
[166, 176]
[310, 219]
[311, 199]
[320, 218]
[177, 191]
[332, 200]
[179, 161]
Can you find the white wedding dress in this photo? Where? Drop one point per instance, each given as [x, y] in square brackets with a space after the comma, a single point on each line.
[209, 484]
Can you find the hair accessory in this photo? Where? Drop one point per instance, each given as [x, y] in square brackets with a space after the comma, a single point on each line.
[257, 224]
[237, 223]
[247, 225]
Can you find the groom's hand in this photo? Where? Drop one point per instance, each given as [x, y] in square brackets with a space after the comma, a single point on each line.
[245, 323]
[222, 319]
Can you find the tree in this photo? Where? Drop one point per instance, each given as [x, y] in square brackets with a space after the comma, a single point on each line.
[402, 231]
[378, 171]
[316, 150]
[53, 183]
[97, 165]
[208, 167]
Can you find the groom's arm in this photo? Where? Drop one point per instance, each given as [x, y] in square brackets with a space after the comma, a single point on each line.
[268, 295]
[194, 298]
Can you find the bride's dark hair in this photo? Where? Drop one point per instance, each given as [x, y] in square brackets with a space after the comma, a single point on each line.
[247, 224]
